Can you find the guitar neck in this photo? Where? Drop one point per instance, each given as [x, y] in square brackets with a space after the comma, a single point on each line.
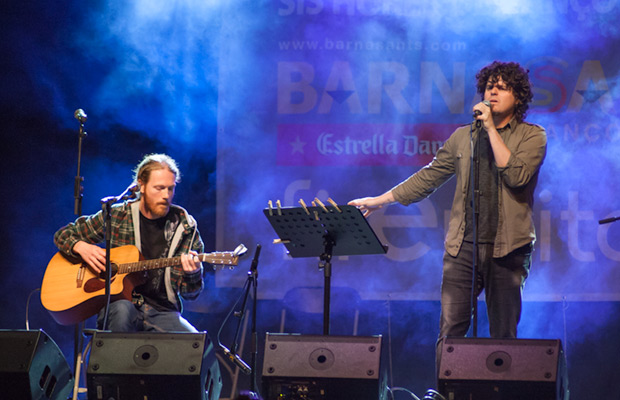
[145, 265]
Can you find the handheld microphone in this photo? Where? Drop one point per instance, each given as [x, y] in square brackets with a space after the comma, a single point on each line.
[80, 115]
[478, 112]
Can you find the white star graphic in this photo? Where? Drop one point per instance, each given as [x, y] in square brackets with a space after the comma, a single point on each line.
[298, 146]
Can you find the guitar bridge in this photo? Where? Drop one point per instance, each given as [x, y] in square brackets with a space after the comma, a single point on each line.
[80, 276]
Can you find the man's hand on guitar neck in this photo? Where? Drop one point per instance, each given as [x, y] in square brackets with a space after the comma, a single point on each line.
[91, 254]
[190, 263]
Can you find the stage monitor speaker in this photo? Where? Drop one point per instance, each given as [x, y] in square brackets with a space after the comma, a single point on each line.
[506, 369]
[32, 367]
[323, 368]
[153, 366]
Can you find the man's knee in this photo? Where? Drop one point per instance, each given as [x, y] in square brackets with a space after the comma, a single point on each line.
[122, 308]
[122, 317]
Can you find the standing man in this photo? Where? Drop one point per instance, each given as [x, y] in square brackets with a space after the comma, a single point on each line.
[508, 156]
[159, 229]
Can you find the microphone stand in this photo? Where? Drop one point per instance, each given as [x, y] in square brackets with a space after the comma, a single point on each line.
[474, 217]
[106, 204]
[107, 274]
[254, 358]
[250, 283]
[474, 172]
[474, 178]
[78, 192]
[78, 189]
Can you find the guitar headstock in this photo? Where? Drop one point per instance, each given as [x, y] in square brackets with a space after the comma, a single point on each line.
[220, 259]
[224, 259]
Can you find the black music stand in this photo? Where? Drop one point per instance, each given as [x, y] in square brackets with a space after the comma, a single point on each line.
[324, 232]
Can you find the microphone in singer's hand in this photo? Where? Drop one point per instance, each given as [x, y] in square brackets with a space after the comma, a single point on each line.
[80, 115]
[478, 112]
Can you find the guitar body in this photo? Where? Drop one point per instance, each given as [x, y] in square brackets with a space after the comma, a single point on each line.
[72, 292]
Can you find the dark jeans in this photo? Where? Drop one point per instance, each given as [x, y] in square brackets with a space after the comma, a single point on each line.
[124, 316]
[502, 280]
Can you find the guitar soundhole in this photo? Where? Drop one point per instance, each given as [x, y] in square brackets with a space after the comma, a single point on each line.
[98, 283]
[114, 268]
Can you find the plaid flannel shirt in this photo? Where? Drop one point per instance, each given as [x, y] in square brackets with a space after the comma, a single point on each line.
[90, 229]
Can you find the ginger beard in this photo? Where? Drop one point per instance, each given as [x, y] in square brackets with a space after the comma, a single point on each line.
[157, 193]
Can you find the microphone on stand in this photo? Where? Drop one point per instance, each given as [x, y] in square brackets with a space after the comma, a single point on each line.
[80, 115]
[478, 112]
[235, 359]
[130, 193]
[255, 260]
[608, 220]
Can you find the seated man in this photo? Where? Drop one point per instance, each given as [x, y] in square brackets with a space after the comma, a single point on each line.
[158, 229]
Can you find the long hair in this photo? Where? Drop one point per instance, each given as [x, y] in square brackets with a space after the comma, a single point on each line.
[516, 79]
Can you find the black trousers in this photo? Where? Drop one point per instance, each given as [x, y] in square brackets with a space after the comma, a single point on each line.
[502, 280]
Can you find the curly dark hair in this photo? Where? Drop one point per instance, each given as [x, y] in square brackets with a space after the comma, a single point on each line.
[516, 79]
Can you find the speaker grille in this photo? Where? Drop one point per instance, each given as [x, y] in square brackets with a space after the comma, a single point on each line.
[323, 367]
[153, 366]
[509, 368]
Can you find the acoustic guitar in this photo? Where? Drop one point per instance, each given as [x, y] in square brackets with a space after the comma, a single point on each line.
[72, 292]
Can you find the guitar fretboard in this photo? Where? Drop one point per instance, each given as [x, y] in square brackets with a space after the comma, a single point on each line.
[218, 258]
[146, 265]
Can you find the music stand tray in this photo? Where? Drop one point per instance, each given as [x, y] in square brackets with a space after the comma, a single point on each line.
[324, 232]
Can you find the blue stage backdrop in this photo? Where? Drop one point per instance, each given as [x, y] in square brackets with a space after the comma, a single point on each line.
[346, 99]
[285, 100]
